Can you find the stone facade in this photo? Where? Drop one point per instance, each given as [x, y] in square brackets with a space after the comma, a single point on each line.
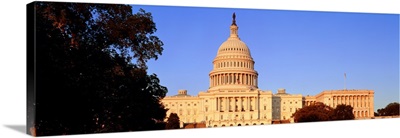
[234, 99]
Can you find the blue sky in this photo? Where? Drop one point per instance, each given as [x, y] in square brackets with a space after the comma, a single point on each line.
[304, 52]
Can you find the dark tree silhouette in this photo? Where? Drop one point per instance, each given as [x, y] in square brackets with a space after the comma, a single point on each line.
[390, 110]
[91, 69]
[173, 121]
[343, 112]
[313, 113]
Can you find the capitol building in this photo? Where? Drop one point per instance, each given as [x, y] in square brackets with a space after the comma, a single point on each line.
[234, 99]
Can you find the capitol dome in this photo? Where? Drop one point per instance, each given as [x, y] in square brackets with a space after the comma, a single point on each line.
[234, 46]
[233, 65]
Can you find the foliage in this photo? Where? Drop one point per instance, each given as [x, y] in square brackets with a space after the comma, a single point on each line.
[87, 80]
[390, 110]
[313, 113]
[173, 121]
[343, 112]
[322, 112]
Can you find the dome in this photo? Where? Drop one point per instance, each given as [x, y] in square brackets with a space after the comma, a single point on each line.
[233, 67]
[234, 46]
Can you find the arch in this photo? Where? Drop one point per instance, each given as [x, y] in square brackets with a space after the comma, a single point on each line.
[223, 125]
[247, 124]
[239, 124]
[254, 124]
[215, 125]
[262, 123]
[231, 125]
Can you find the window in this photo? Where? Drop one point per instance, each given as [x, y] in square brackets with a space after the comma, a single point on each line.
[166, 105]
[290, 109]
[180, 105]
[290, 102]
[283, 102]
[206, 100]
[188, 104]
[173, 105]
[265, 107]
[194, 104]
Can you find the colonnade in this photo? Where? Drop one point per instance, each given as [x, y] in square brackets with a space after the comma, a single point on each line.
[353, 100]
[233, 78]
[237, 104]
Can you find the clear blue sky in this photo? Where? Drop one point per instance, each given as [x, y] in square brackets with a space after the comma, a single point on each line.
[301, 51]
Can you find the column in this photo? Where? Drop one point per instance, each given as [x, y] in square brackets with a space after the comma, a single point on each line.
[247, 79]
[214, 82]
[226, 104]
[225, 79]
[362, 101]
[365, 101]
[242, 79]
[235, 104]
[240, 104]
[218, 104]
[222, 79]
[247, 104]
[251, 79]
[334, 101]
[219, 79]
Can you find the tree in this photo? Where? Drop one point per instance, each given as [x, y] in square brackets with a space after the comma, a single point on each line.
[390, 110]
[173, 121]
[91, 69]
[313, 113]
[342, 112]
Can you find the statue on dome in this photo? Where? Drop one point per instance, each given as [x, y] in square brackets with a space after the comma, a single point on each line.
[234, 19]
